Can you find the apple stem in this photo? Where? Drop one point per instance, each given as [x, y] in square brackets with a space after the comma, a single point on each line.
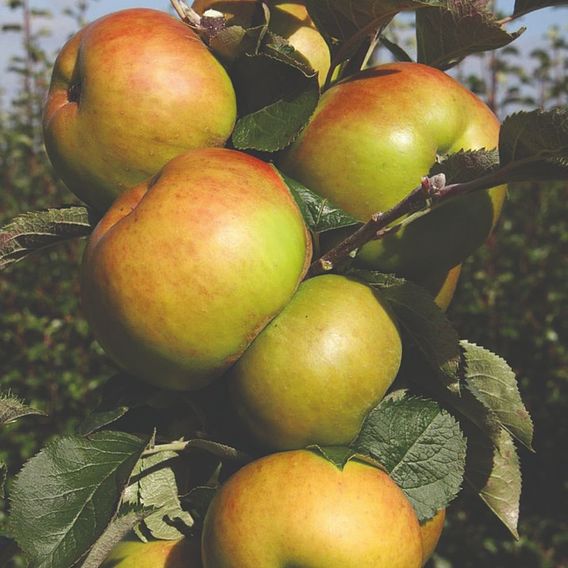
[187, 14]
[220, 450]
[207, 26]
[431, 193]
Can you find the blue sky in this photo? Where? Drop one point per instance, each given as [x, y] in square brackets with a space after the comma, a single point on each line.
[62, 27]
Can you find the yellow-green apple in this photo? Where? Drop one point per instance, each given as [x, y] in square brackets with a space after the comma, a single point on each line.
[314, 373]
[431, 532]
[184, 553]
[371, 140]
[298, 509]
[128, 93]
[185, 269]
[443, 286]
[289, 20]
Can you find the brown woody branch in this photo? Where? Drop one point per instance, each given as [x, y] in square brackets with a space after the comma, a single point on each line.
[431, 193]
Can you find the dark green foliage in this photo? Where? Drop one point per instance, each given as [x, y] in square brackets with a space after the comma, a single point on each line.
[47, 356]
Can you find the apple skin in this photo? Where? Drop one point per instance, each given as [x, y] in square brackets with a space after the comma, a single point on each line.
[289, 20]
[314, 373]
[431, 532]
[298, 509]
[187, 268]
[370, 141]
[128, 93]
[184, 553]
[443, 286]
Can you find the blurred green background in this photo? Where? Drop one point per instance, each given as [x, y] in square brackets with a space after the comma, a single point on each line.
[512, 298]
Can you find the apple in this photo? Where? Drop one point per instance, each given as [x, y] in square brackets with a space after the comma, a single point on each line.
[371, 140]
[128, 93]
[431, 532]
[184, 553]
[314, 373]
[185, 269]
[289, 20]
[298, 509]
[443, 286]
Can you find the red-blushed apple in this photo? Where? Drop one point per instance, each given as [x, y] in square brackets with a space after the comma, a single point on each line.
[431, 532]
[186, 269]
[372, 139]
[314, 373]
[289, 20]
[296, 508]
[131, 553]
[128, 93]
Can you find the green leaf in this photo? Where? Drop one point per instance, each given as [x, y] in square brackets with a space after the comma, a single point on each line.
[337, 455]
[493, 471]
[396, 50]
[467, 166]
[33, 231]
[114, 533]
[3, 476]
[120, 394]
[319, 214]
[377, 280]
[533, 146]
[278, 48]
[493, 383]
[12, 408]
[422, 448]
[275, 126]
[448, 34]
[244, 32]
[346, 24]
[525, 6]
[230, 43]
[65, 497]
[463, 402]
[235, 41]
[199, 499]
[488, 399]
[424, 322]
[277, 94]
[99, 420]
[156, 487]
[8, 549]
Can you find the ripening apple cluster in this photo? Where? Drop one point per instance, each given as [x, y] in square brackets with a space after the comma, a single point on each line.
[196, 270]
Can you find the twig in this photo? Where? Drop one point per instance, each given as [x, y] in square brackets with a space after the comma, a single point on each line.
[507, 20]
[431, 193]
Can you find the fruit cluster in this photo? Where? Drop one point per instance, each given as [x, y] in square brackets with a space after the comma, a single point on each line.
[196, 271]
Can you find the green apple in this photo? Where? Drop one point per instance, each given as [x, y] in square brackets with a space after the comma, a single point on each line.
[431, 532]
[187, 268]
[371, 140]
[184, 553]
[314, 373]
[128, 93]
[289, 20]
[292, 21]
[296, 509]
